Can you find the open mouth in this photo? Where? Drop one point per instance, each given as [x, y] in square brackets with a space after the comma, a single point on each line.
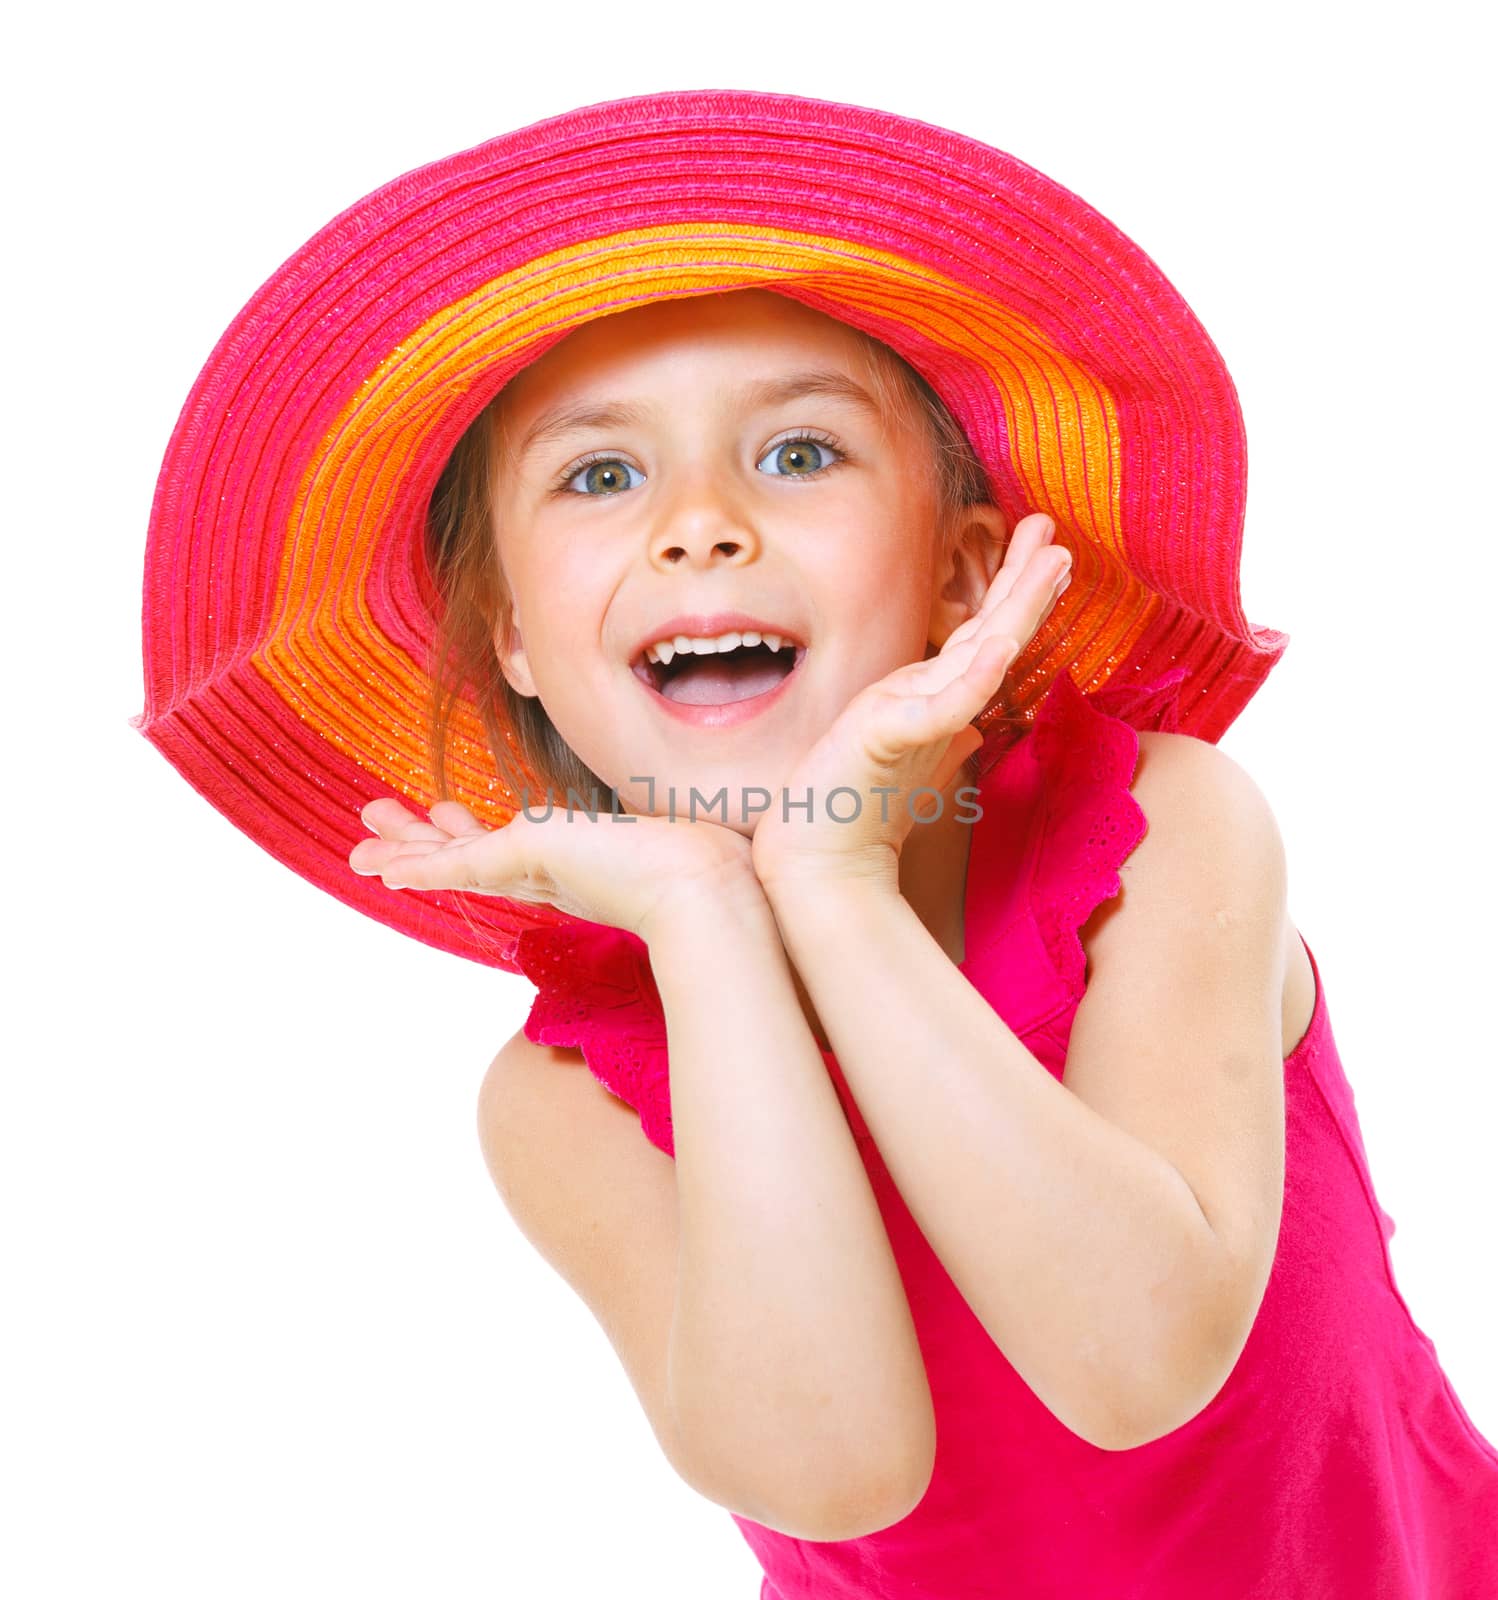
[722, 677]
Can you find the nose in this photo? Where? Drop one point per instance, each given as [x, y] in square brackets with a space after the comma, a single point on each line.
[702, 522]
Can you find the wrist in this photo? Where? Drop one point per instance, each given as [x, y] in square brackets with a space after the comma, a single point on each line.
[706, 908]
[817, 905]
[793, 860]
[810, 885]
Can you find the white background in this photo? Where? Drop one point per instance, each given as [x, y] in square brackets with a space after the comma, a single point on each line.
[269, 1328]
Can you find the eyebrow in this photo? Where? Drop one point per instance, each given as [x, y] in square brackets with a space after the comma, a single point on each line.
[756, 396]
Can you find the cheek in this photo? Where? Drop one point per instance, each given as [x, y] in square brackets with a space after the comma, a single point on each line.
[881, 630]
[560, 590]
[888, 578]
[559, 641]
[568, 660]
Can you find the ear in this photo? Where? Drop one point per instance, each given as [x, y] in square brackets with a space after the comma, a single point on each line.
[967, 569]
[509, 647]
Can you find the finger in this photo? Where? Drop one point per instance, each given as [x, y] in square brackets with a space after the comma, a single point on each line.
[370, 857]
[1038, 528]
[1013, 625]
[428, 866]
[457, 819]
[965, 630]
[1027, 607]
[1057, 565]
[1044, 564]
[911, 721]
[987, 668]
[391, 820]
[956, 655]
[492, 861]
[1029, 535]
[1052, 603]
[929, 676]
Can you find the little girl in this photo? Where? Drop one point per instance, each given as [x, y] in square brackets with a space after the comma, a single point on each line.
[790, 554]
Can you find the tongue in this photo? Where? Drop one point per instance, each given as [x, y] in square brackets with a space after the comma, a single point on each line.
[721, 679]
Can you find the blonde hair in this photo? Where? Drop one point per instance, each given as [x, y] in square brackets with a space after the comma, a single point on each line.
[474, 604]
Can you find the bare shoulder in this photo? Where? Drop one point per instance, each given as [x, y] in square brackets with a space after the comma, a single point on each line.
[534, 1090]
[596, 1199]
[1210, 833]
[1211, 854]
[1212, 829]
[1180, 774]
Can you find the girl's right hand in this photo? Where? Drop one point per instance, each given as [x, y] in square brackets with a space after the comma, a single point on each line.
[627, 874]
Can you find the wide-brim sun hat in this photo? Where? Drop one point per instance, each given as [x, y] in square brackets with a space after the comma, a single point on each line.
[288, 612]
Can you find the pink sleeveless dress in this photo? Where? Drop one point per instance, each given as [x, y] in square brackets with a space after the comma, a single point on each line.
[1335, 1462]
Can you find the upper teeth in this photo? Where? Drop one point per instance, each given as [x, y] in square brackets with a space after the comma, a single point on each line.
[683, 644]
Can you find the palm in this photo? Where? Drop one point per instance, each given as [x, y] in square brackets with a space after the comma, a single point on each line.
[620, 871]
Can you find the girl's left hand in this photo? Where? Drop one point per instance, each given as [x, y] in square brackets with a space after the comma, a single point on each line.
[908, 731]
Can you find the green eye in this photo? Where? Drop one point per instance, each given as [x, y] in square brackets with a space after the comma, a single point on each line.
[803, 455]
[600, 476]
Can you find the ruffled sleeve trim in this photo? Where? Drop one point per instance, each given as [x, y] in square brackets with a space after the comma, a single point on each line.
[1087, 747]
[596, 993]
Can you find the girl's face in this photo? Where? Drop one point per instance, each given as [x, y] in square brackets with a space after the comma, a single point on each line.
[696, 457]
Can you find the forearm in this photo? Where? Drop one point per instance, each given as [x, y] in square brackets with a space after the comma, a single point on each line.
[1082, 1251]
[792, 1350]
